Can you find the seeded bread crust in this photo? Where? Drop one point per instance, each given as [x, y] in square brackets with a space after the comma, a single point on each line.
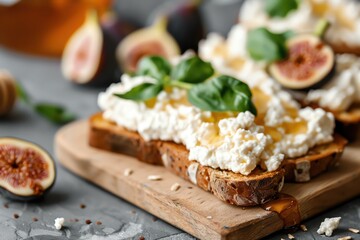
[234, 188]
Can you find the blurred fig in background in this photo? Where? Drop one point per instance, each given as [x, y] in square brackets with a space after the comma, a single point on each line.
[184, 22]
[89, 55]
[153, 40]
[8, 94]
[116, 27]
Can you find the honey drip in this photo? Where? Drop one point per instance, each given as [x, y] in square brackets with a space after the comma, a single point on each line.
[287, 208]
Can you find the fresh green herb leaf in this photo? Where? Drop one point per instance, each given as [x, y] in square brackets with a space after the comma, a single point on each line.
[280, 8]
[55, 113]
[142, 92]
[263, 45]
[223, 93]
[154, 66]
[21, 93]
[192, 70]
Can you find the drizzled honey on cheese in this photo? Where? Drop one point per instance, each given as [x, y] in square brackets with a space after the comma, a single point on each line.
[238, 142]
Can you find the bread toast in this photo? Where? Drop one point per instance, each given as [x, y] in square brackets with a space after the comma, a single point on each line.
[257, 188]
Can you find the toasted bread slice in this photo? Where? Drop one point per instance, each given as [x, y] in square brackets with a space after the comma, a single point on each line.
[318, 160]
[256, 188]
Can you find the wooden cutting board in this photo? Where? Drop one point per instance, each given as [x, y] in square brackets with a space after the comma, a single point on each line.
[190, 208]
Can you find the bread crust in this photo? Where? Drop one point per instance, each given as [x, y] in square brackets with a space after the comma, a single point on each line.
[237, 189]
[341, 47]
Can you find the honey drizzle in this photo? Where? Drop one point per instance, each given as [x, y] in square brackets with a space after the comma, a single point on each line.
[287, 208]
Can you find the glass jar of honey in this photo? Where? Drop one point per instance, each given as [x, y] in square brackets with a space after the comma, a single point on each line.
[43, 26]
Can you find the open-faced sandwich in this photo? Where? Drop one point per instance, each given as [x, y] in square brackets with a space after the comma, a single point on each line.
[236, 140]
[281, 15]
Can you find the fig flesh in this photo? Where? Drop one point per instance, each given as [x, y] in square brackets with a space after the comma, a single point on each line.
[8, 94]
[310, 63]
[27, 171]
[153, 40]
[89, 55]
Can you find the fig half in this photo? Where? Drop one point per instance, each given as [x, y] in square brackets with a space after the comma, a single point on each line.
[27, 171]
[310, 63]
[89, 55]
[153, 40]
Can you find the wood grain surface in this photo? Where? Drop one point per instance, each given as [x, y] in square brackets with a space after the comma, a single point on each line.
[190, 208]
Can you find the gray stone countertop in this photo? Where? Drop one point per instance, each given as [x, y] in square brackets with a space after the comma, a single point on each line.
[111, 217]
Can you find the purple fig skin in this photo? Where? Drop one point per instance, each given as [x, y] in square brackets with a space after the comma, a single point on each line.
[184, 22]
[116, 27]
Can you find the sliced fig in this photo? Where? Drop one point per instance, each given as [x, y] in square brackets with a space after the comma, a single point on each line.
[309, 64]
[153, 40]
[89, 55]
[27, 171]
[8, 94]
[184, 22]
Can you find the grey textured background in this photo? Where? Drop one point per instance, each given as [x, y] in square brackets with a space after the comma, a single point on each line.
[120, 219]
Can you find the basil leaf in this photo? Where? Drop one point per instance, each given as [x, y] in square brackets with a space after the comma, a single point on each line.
[55, 113]
[142, 92]
[280, 8]
[192, 70]
[223, 93]
[263, 45]
[153, 66]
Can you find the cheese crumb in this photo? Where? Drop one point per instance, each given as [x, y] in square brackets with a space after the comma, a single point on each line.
[175, 187]
[59, 222]
[154, 178]
[209, 217]
[303, 227]
[354, 230]
[128, 172]
[290, 236]
[328, 226]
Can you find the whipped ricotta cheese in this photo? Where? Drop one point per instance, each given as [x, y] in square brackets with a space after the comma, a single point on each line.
[344, 16]
[344, 88]
[328, 226]
[233, 143]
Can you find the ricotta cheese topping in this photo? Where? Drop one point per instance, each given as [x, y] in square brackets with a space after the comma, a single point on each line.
[344, 16]
[344, 88]
[328, 226]
[236, 142]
